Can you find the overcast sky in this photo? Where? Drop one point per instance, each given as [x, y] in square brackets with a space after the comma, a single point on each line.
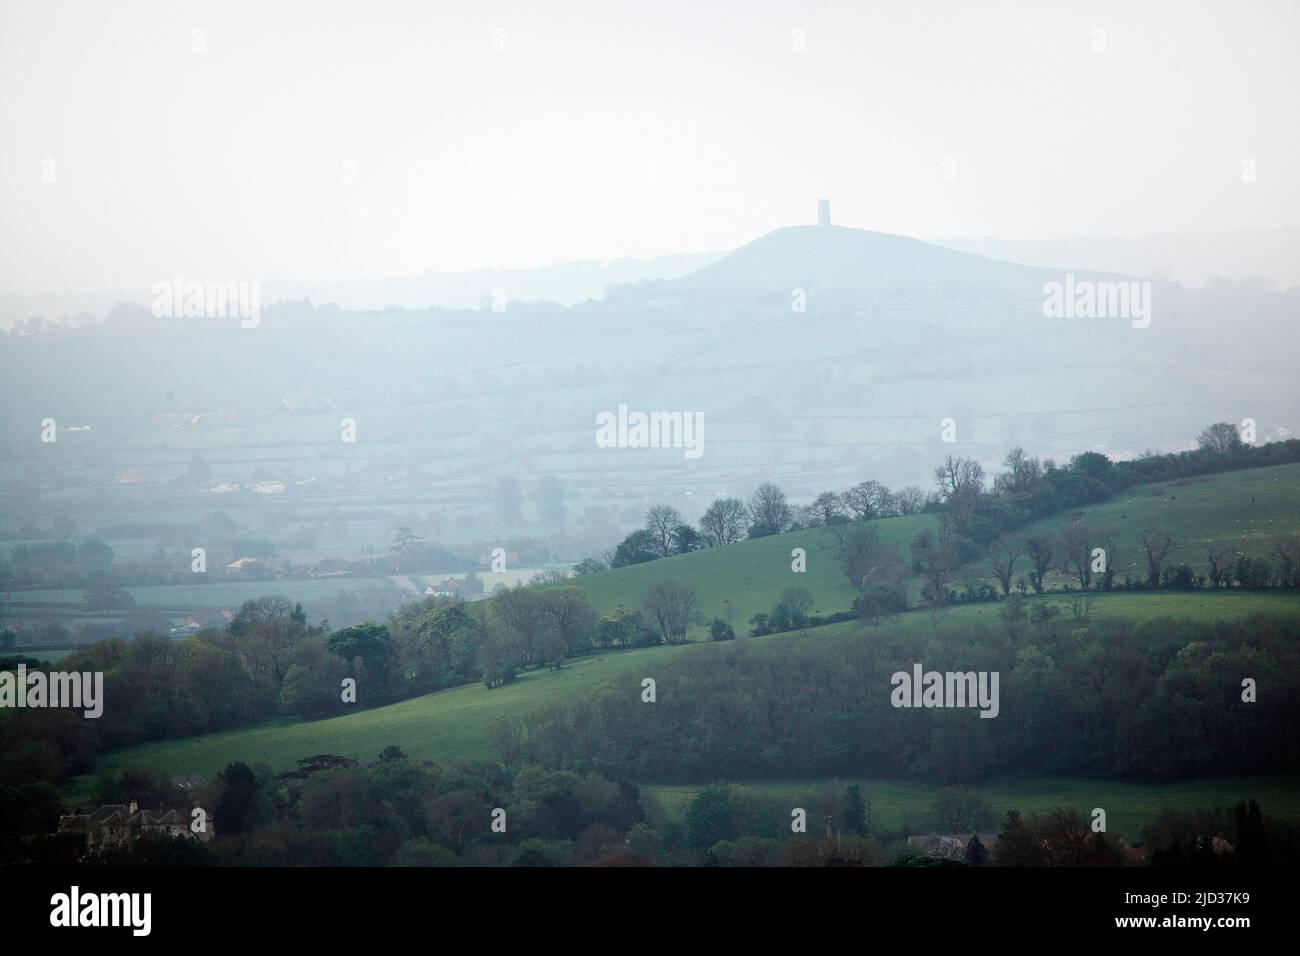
[331, 140]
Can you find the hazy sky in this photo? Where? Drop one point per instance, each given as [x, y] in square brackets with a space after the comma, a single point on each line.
[337, 140]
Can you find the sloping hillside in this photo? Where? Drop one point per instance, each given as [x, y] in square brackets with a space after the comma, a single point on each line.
[454, 723]
[1239, 508]
[749, 574]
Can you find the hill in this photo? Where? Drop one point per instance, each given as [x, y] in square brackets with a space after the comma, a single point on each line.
[1242, 509]
[749, 574]
[454, 723]
[858, 261]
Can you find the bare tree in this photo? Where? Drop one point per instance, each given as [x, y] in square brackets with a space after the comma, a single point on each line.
[1003, 555]
[1080, 607]
[1039, 549]
[661, 521]
[769, 512]
[909, 500]
[1286, 548]
[1023, 471]
[864, 499]
[724, 522]
[1075, 541]
[1220, 557]
[828, 509]
[1157, 544]
[674, 606]
[959, 478]
[960, 481]
[934, 557]
[859, 543]
[1114, 560]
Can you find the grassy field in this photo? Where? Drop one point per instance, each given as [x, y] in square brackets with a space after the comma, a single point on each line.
[1128, 806]
[453, 723]
[444, 725]
[750, 574]
[1242, 509]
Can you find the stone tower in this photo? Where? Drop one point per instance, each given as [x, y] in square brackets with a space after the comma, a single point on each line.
[823, 212]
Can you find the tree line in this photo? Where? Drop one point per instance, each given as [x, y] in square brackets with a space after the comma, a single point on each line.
[1168, 704]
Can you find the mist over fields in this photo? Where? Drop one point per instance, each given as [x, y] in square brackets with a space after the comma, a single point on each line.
[715, 436]
[898, 336]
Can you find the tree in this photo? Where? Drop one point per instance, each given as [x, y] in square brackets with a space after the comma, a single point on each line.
[549, 498]
[791, 609]
[1075, 541]
[548, 576]
[660, 523]
[406, 543]
[1222, 438]
[1286, 549]
[368, 641]
[859, 549]
[960, 810]
[570, 618]
[637, 548]
[1157, 544]
[107, 597]
[934, 557]
[976, 854]
[855, 811]
[720, 630]
[588, 566]
[518, 611]
[1091, 464]
[674, 606]
[709, 818]
[828, 509]
[1038, 547]
[269, 629]
[769, 512]
[909, 500]
[237, 805]
[1003, 555]
[686, 539]
[1023, 473]
[960, 482]
[1108, 541]
[1220, 558]
[724, 522]
[867, 499]
[508, 499]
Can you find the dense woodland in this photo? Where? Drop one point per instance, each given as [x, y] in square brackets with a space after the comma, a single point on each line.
[1153, 701]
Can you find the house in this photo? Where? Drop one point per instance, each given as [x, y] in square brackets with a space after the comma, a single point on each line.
[449, 588]
[121, 824]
